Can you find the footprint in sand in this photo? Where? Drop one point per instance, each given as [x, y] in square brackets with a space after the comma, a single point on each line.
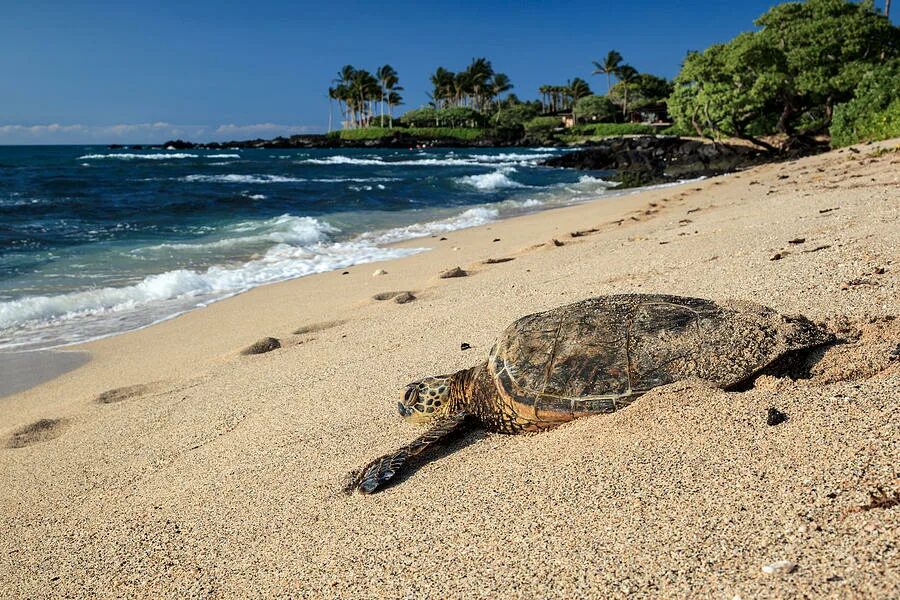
[122, 393]
[40, 431]
[454, 272]
[495, 261]
[317, 327]
[399, 297]
[267, 344]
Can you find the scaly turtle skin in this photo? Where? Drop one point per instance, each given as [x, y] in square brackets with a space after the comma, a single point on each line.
[591, 357]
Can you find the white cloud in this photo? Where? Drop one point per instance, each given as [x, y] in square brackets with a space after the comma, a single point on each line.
[141, 133]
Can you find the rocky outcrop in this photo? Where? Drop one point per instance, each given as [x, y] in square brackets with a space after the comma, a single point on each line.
[651, 159]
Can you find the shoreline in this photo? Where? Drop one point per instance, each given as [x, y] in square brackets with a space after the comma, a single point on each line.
[44, 353]
[171, 461]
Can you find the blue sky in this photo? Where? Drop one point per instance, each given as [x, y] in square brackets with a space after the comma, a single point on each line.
[130, 72]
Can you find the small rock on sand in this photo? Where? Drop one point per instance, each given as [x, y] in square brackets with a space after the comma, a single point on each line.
[465, 346]
[454, 272]
[556, 243]
[404, 297]
[775, 417]
[379, 272]
[267, 344]
[781, 566]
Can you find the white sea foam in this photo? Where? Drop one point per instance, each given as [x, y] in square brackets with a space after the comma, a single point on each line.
[238, 178]
[223, 156]
[510, 157]
[286, 229]
[489, 182]
[234, 178]
[527, 203]
[257, 196]
[469, 218]
[505, 159]
[129, 156]
[302, 247]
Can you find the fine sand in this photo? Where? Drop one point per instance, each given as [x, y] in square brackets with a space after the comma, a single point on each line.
[176, 464]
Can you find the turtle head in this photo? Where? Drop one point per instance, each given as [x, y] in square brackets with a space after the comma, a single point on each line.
[425, 399]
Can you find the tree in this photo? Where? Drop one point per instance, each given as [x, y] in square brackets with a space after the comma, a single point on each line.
[805, 59]
[642, 90]
[332, 95]
[598, 108]
[874, 112]
[627, 76]
[387, 80]
[609, 67]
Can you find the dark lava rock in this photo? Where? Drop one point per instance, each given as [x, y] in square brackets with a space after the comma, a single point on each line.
[775, 417]
[649, 159]
[404, 297]
[454, 272]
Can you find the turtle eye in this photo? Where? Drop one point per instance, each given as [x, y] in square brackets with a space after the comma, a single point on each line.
[409, 397]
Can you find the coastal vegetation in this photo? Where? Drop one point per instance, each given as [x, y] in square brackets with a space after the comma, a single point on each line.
[475, 104]
[811, 68]
[807, 63]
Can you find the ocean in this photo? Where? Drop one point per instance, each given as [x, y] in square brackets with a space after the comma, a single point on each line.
[95, 241]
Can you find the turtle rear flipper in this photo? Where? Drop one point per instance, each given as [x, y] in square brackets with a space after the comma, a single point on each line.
[382, 469]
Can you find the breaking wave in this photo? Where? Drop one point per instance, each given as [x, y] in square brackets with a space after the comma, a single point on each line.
[489, 182]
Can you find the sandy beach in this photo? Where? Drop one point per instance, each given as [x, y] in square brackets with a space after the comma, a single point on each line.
[172, 465]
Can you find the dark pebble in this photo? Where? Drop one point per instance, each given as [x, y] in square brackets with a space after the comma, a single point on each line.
[775, 417]
[464, 346]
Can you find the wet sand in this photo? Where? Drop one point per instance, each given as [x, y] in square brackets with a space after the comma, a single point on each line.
[23, 370]
[172, 464]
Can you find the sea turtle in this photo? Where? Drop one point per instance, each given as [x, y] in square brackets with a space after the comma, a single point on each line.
[590, 357]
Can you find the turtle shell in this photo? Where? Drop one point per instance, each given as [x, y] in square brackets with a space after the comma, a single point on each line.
[599, 354]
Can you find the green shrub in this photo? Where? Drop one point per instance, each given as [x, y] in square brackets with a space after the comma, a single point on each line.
[366, 133]
[459, 133]
[874, 112]
[678, 129]
[542, 125]
[613, 129]
[377, 133]
[515, 116]
[599, 108]
[457, 116]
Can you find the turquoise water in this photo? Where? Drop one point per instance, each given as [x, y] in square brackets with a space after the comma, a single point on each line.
[96, 241]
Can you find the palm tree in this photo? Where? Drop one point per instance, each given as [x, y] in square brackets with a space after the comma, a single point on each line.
[332, 95]
[342, 90]
[627, 75]
[443, 84]
[393, 99]
[499, 84]
[387, 80]
[609, 66]
[544, 90]
[578, 88]
[478, 77]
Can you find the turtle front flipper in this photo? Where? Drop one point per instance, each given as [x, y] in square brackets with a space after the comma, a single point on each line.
[373, 475]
